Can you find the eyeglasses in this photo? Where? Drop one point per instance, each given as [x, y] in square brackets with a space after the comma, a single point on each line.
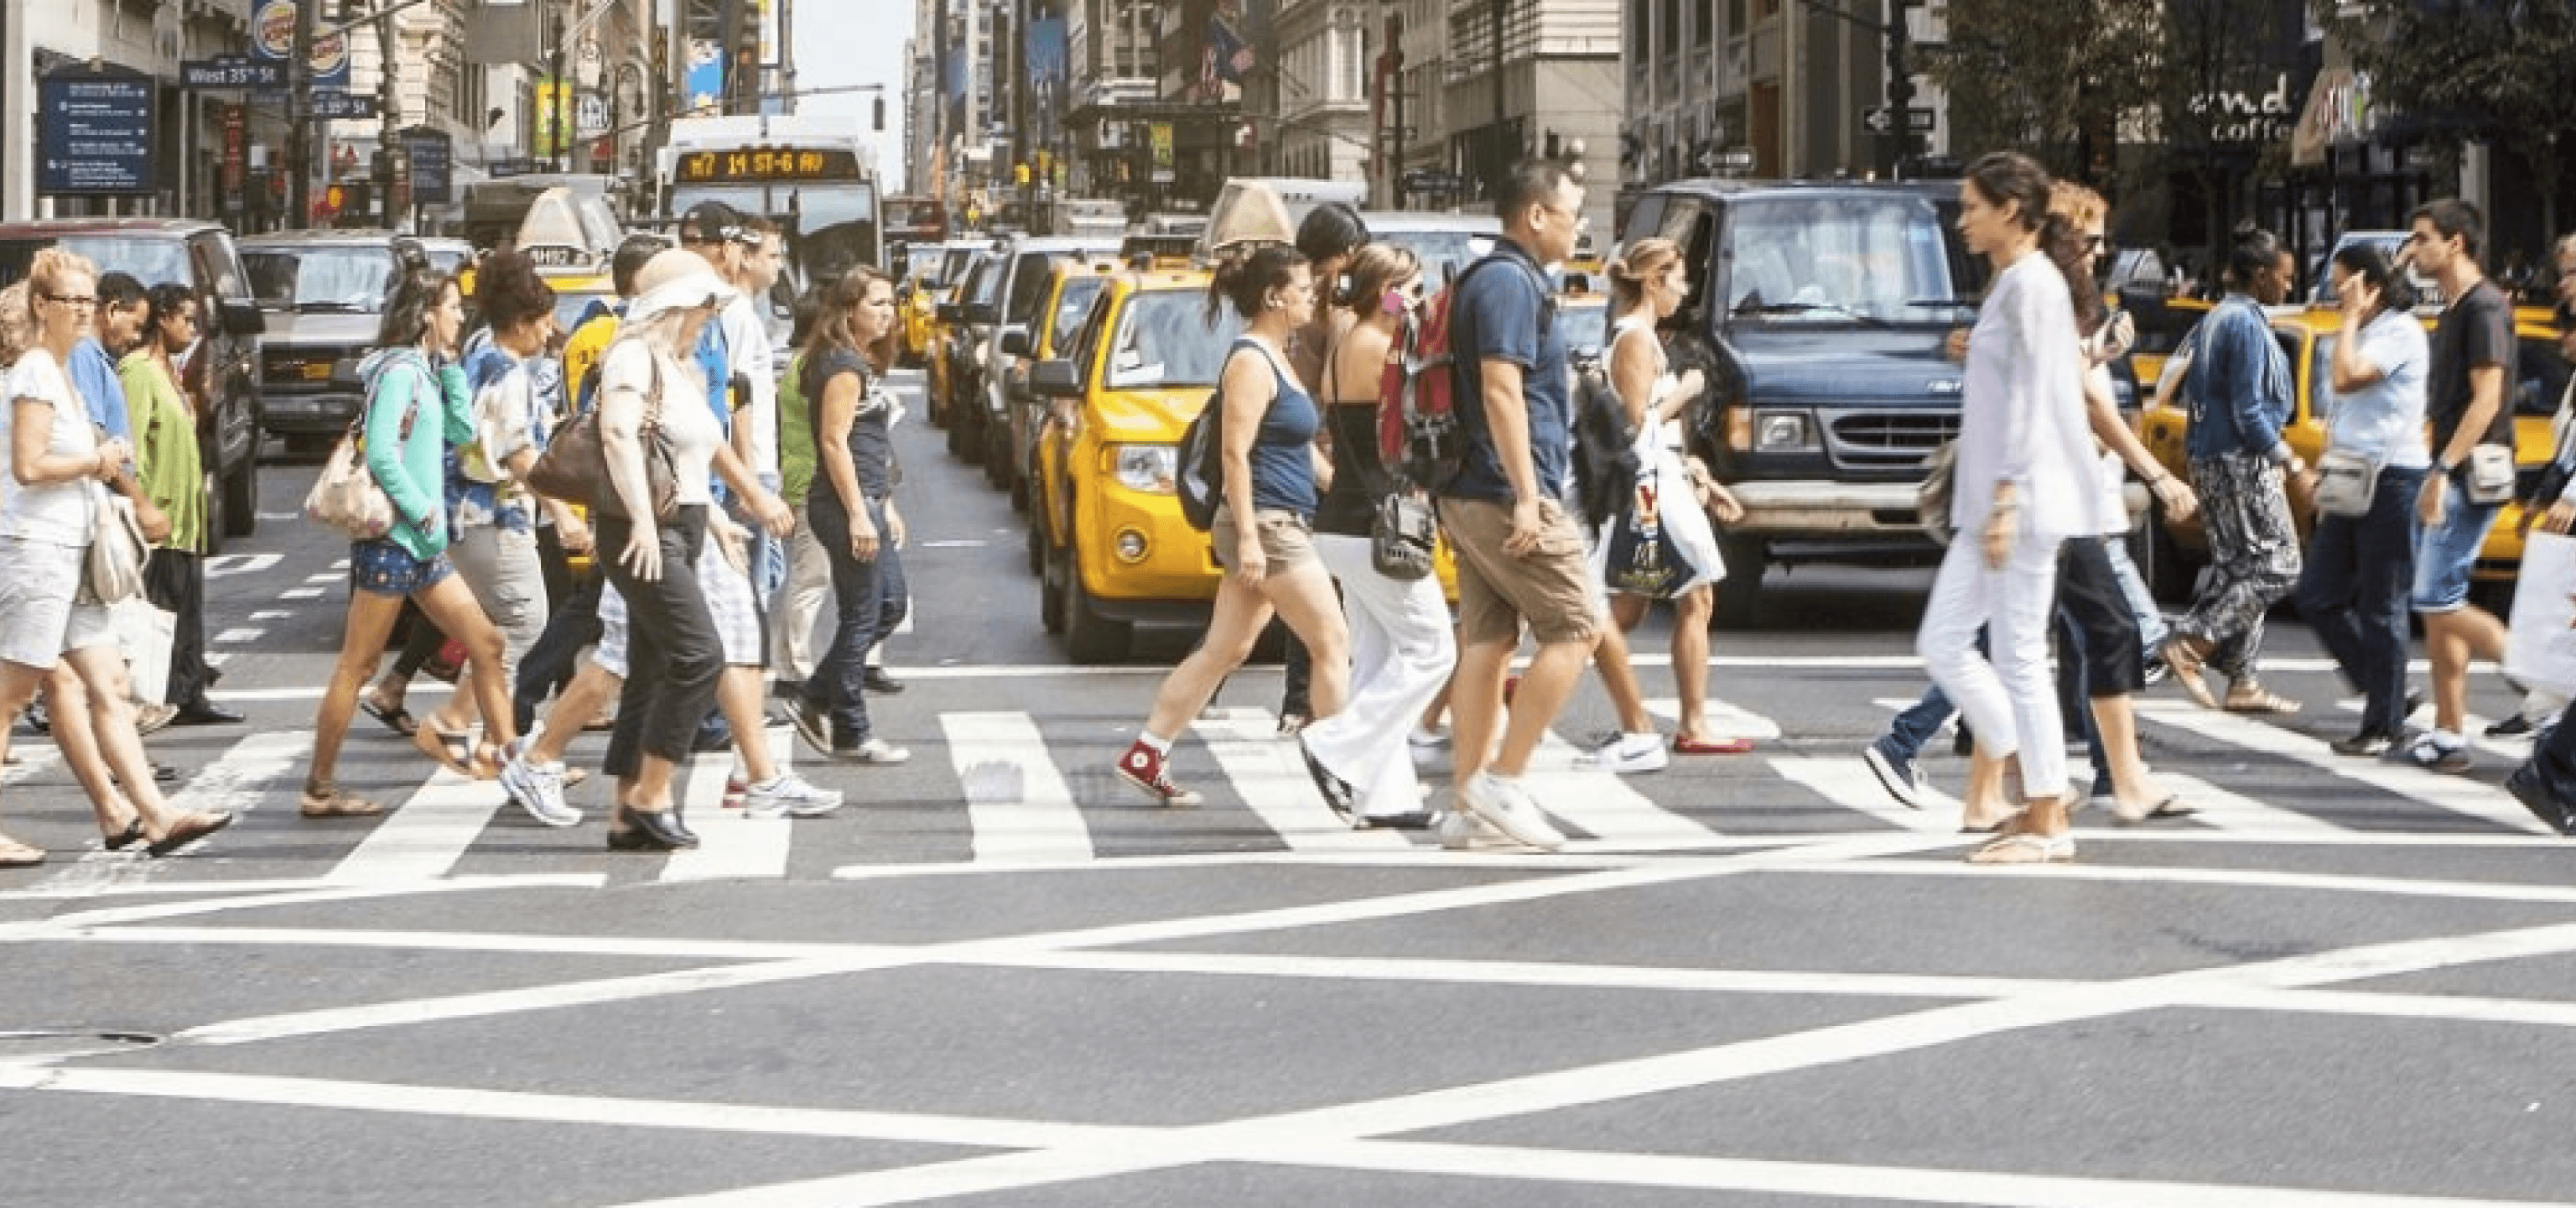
[73, 300]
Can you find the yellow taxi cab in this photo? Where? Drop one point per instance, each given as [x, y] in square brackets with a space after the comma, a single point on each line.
[1115, 551]
[2177, 549]
[917, 300]
[1071, 287]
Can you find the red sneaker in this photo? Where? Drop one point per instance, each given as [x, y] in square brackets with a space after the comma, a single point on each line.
[737, 792]
[1142, 766]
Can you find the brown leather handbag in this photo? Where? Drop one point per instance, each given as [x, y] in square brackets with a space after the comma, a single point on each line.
[574, 467]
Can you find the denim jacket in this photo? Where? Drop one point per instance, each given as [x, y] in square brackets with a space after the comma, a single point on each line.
[2239, 389]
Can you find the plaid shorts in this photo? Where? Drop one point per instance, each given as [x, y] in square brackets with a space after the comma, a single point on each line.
[739, 628]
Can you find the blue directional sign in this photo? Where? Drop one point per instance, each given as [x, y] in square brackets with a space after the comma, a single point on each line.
[94, 131]
[431, 167]
[231, 71]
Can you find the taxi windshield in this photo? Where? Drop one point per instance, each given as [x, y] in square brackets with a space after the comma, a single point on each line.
[1071, 306]
[1164, 342]
[1839, 258]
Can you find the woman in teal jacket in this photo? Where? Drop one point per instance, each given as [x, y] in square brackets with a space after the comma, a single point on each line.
[416, 407]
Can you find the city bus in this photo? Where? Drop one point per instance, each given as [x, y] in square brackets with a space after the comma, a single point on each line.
[814, 175]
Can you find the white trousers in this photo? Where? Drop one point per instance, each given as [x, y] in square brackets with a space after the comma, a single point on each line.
[792, 646]
[1402, 651]
[2008, 696]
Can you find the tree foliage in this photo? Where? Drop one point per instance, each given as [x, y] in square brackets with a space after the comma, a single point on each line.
[2052, 80]
[2456, 71]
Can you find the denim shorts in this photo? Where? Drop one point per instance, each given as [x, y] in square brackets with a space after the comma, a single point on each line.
[385, 569]
[2446, 553]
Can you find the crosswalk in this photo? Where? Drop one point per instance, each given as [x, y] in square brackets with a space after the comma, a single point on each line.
[1018, 789]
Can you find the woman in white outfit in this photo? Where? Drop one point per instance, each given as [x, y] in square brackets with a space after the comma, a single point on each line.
[1401, 644]
[1647, 285]
[2024, 483]
[57, 464]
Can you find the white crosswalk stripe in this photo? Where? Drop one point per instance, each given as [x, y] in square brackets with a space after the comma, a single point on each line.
[1604, 805]
[731, 844]
[258, 771]
[1270, 776]
[2450, 793]
[1849, 783]
[425, 837]
[1017, 803]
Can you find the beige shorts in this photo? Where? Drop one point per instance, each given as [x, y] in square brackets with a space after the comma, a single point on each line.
[39, 622]
[1287, 540]
[1551, 588]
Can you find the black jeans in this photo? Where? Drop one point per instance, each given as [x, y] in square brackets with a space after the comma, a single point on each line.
[548, 666]
[868, 599]
[175, 582]
[2353, 592]
[2092, 608]
[672, 655]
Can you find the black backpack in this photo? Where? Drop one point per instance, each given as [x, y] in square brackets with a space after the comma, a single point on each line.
[1605, 444]
[1199, 468]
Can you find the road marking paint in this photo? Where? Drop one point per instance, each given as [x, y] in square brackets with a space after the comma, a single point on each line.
[1528, 973]
[218, 658]
[731, 843]
[2512, 750]
[271, 614]
[339, 564]
[319, 892]
[656, 947]
[278, 517]
[1850, 784]
[35, 758]
[424, 838]
[240, 635]
[1602, 803]
[241, 780]
[418, 688]
[222, 565]
[2231, 811]
[1269, 774]
[1018, 806]
[964, 543]
[327, 580]
[301, 593]
[2467, 891]
[1724, 720]
[2465, 797]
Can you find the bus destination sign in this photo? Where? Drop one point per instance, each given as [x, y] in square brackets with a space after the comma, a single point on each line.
[761, 165]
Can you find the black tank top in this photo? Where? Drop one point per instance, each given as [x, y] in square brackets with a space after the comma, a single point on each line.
[1360, 478]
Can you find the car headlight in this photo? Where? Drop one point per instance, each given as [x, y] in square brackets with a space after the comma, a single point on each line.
[1150, 468]
[1783, 431]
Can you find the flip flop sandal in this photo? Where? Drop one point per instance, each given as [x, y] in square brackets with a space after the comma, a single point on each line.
[2026, 849]
[2173, 806]
[2260, 702]
[1711, 746]
[190, 829]
[455, 752]
[397, 719]
[131, 835]
[335, 802]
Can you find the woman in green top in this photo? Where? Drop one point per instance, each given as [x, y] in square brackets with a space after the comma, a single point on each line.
[412, 377]
[165, 446]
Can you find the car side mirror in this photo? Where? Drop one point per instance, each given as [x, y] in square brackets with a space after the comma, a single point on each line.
[1015, 341]
[240, 317]
[1055, 379]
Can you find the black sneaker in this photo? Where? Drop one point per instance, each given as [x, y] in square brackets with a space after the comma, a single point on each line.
[2364, 745]
[1336, 791]
[2530, 788]
[875, 679]
[812, 724]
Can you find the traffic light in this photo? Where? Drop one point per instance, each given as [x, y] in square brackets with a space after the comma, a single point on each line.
[880, 108]
[1020, 174]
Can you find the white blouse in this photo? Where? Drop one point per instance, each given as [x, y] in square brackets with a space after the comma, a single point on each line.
[2022, 418]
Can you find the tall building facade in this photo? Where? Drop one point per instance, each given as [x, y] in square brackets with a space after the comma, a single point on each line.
[201, 139]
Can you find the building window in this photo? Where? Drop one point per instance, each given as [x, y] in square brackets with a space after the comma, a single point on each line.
[1351, 86]
[1638, 48]
[1670, 27]
[1703, 24]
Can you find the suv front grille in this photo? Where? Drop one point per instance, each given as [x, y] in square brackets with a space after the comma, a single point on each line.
[1886, 440]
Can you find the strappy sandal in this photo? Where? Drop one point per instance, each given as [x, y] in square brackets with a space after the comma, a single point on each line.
[395, 718]
[2256, 700]
[457, 752]
[2186, 666]
[2026, 848]
[332, 801]
[2173, 806]
[17, 854]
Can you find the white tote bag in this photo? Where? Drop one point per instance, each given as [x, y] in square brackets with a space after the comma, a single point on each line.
[2539, 648]
[144, 632]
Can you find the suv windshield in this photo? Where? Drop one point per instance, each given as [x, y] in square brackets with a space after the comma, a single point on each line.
[352, 279]
[1164, 342]
[1839, 258]
[153, 261]
[1071, 306]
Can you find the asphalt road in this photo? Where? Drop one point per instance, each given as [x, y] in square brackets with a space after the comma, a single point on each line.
[997, 977]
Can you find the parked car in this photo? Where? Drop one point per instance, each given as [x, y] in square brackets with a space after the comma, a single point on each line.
[2177, 549]
[224, 368]
[1818, 312]
[958, 355]
[324, 293]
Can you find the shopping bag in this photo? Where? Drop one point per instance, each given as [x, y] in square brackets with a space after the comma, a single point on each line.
[1641, 558]
[144, 633]
[2539, 648]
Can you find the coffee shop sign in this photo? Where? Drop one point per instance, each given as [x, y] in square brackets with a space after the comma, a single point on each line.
[2243, 117]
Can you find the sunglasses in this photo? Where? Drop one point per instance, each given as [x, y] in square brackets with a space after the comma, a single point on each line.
[72, 299]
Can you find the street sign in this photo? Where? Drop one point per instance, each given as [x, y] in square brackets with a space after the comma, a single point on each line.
[231, 71]
[343, 106]
[1918, 120]
[431, 171]
[1422, 180]
[590, 115]
[1875, 118]
[94, 131]
[516, 167]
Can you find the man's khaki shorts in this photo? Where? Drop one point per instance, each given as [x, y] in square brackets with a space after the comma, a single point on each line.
[1550, 588]
[1285, 537]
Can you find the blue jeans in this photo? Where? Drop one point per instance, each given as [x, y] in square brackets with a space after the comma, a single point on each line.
[869, 601]
[2152, 629]
[2354, 594]
[2445, 555]
[1918, 723]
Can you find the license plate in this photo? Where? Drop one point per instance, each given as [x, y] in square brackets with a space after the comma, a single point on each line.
[317, 371]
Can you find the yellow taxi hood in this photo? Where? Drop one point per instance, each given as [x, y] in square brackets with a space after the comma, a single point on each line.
[1148, 416]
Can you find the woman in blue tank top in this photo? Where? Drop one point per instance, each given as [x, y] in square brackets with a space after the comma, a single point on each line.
[1264, 529]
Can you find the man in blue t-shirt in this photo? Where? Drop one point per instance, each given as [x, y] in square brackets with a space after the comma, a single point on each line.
[1520, 558]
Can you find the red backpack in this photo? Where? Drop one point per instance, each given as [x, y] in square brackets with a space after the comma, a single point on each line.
[1419, 435]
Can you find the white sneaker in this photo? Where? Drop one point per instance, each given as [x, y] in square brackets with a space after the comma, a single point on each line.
[874, 750]
[539, 790]
[1459, 830]
[789, 796]
[1506, 806]
[1627, 753]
